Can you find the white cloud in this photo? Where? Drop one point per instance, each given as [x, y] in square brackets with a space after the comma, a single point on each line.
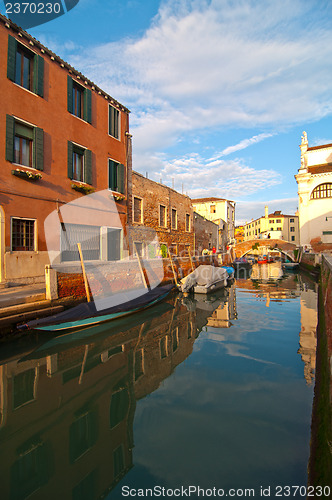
[242, 145]
[205, 64]
[211, 64]
[201, 177]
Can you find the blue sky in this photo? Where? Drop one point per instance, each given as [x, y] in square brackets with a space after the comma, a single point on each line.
[219, 90]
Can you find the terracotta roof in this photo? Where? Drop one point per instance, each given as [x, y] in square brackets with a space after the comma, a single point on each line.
[320, 169]
[203, 200]
[320, 147]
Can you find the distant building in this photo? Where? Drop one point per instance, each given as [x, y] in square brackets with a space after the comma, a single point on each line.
[239, 234]
[206, 233]
[314, 181]
[169, 213]
[273, 226]
[220, 211]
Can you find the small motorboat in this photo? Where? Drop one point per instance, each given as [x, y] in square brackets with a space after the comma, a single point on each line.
[230, 272]
[204, 279]
[290, 266]
[266, 259]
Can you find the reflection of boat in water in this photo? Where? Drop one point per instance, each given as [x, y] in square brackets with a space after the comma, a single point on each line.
[205, 279]
[86, 314]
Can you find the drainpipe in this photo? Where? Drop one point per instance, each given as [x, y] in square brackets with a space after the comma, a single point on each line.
[2, 245]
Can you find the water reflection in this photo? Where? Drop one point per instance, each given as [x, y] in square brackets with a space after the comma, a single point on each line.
[68, 404]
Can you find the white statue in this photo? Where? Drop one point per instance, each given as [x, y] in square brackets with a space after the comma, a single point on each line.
[304, 138]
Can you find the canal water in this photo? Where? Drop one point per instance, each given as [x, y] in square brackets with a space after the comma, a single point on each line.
[198, 395]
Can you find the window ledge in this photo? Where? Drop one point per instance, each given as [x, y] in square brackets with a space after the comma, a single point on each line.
[118, 196]
[26, 173]
[26, 90]
[82, 187]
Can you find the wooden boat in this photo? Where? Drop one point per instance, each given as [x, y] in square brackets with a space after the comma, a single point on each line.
[205, 279]
[290, 266]
[241, 263]
[86, 314]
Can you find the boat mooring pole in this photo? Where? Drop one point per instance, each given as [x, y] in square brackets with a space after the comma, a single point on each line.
[171, 261]
[84, 273]
[140, 263]
[191, 262]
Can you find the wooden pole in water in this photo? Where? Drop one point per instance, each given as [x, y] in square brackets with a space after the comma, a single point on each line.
[191, 262]
[84, 273]
[140, 263]
[171, 261]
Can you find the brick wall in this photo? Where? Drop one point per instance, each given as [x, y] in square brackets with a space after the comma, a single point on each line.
[154, 194]
[125, 275]
[206, 233]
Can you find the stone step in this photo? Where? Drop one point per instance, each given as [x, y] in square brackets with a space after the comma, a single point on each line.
[21, 317]
[24, 307]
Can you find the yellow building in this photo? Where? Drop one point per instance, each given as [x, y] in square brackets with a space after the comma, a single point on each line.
[273, 226]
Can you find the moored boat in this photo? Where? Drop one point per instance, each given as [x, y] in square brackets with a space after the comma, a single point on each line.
[86, 314]
[205, 279]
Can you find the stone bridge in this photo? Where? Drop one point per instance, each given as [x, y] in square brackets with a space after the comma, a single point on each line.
[265, 246]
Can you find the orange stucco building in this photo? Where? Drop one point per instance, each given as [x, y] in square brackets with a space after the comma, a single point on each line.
[62, 137]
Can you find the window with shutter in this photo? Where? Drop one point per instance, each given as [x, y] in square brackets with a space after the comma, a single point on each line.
[116, 176]
[78, 100]
[79, 163]
[25, 67]
[114, 122]
[24, 144]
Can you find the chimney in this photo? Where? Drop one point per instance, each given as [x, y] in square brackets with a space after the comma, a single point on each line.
[266, 212]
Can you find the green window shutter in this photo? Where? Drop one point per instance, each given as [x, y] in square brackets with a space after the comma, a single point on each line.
[70, 160]
[87, 105]
[38, 76]
[88, 166]
[38, 142]
[10, 133]
[111, 175]
[11, 61]
[69, 94]
[121, 178]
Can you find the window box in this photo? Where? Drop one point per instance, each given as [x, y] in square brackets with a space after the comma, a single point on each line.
[82, 188]
[119, 196]
[27, 174]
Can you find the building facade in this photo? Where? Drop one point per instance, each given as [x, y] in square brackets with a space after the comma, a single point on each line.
[166, 212]
[206, 234]
[222, 212]
[276, 226]
[62, 138]
[314, 180]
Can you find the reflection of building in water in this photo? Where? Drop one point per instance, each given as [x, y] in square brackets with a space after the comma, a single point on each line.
[67, 412]
[225, 313]
[266, 272]
[308, 338]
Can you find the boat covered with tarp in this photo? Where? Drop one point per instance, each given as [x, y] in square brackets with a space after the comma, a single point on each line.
[87, 314]
[205, 279]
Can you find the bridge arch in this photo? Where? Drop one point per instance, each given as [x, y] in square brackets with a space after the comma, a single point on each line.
[264, 246]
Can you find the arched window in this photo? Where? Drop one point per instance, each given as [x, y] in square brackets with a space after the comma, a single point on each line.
[322, 191]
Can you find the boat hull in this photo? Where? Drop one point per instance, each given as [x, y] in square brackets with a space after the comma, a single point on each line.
[70, 320]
